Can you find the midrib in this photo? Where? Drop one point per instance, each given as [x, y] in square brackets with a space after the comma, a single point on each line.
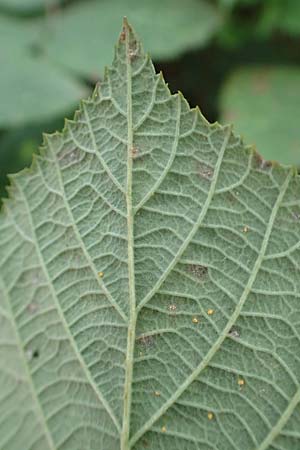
[131, 277]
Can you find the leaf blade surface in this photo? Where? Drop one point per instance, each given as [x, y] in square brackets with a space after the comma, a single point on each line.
[149, 288]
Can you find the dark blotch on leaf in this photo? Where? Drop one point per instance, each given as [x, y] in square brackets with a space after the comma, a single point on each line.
[234, 333]
[260, 162]
[134, 152]
[146, 341]
[197, 270]
[35, 354]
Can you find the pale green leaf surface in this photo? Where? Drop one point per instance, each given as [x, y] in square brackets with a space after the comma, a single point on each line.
[27, 5]
[42, 92]
[149, 262]
[263, 103]
[16, 35]
[31, 88]
[167, 27]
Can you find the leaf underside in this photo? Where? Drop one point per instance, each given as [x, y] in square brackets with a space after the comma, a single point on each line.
[149, 281]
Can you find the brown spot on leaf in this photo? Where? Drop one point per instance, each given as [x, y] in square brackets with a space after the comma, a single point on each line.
[198, 271]
[32, 308]
[230, 197]
[134, 152]
[123, 35]
[261, 163]
[204, 171]
[265, 164]
[133, 50]
[146, 341]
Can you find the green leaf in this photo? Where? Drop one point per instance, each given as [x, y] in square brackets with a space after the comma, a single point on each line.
[231, 3]
[17, 146]
[149, 281]
[278, 15]
[88, 29]
[263, 103]
[27, 5]
[31, 88]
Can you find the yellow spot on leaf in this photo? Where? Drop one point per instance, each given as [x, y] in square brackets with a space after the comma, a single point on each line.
[241, 382]
[100, 274]
[164, 429]
[157, 393]
[210, 416]
[210, 312]
[195, 320]
[245, 229]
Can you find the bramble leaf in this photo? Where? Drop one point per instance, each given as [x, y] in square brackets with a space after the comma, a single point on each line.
[149, 281]
[28, 6]
[32, 89]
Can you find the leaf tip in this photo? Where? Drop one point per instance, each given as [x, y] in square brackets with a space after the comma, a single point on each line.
[126, 29]
[126, 23]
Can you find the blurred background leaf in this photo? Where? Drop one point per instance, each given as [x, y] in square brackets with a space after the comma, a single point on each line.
[17, 146]
[263, 104]
[53, 51]
[279, 15]
[88, 30]
[32, 89]
[26, 6]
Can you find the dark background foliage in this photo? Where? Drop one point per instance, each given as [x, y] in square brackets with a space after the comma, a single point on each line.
[239, 60]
